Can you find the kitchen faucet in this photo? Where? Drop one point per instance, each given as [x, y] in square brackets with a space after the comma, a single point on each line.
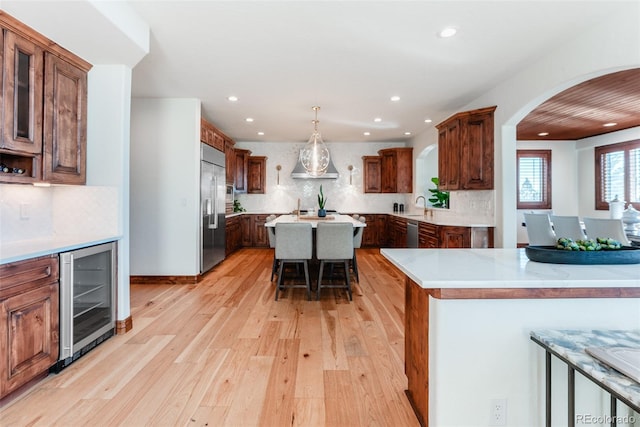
[426, 210]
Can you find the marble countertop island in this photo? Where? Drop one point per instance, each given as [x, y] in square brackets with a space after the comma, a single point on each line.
[468, 318]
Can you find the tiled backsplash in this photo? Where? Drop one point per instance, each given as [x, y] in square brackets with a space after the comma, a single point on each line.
[28, 212]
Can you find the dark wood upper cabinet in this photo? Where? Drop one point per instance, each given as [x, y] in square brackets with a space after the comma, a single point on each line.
[230, 160]
[22, 94]
[65, 122]
[465, 151]
[389, 172]
[372, 167]
[240, 168]
[256, 174]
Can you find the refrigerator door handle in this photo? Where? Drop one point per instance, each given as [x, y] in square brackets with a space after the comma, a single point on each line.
[214, 197]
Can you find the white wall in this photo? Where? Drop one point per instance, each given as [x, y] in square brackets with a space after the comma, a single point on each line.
[564, 179]
[165, 186]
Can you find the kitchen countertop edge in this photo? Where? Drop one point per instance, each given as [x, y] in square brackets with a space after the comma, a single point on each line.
[22, 250]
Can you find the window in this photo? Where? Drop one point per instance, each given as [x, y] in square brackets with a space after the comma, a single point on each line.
[534, 179]
[617, 173]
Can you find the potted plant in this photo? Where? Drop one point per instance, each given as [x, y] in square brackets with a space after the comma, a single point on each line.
[438, 199]
[322, 201]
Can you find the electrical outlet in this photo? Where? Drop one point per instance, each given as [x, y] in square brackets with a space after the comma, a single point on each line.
[498, 415]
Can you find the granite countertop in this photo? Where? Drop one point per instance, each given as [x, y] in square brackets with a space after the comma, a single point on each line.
[25, 249]
[503, 268]
[571, 344]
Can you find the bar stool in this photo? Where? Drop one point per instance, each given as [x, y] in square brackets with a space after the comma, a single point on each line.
[334, 244]
[294, 245]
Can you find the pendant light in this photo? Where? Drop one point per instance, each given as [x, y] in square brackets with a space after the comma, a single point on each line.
[314, 156]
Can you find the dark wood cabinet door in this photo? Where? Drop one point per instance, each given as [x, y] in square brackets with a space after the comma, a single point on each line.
[65, 122]
[404, 170]
[476, 172]
[256, 174]
[260, 237]
[230, 161]
[428, 235]
[388, 171]
[371, 166]
[22, 95]
[455, 237]
[449, 155]
[247, 230]
[240, 168]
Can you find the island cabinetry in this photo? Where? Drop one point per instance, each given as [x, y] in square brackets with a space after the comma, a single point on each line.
[465, 151]
[371, 167]
[233, 232]
[396, 170]
[43, 108]
[256, 174]
[29, 311]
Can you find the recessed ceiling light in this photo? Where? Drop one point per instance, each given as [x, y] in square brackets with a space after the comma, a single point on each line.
[543, 134]
[428, 120]
[261, 133]
[377, 120]
[608, 125]
[232, 98]
[447, 32]
[366, 133]
[407, 133]
[248, 119]
[395, 98]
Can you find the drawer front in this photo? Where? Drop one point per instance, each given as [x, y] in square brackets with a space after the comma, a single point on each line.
[21, 276]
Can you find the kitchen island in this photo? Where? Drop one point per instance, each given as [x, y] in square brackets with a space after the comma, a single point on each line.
[468, 317]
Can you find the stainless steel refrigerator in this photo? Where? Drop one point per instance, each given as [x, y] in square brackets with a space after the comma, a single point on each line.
[212, 207]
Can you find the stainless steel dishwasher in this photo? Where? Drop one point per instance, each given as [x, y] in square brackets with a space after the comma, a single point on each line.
[412, 234]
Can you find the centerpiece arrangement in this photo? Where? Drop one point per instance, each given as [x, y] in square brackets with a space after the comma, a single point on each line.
[601, 250]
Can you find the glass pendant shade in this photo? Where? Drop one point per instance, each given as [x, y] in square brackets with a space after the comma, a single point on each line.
[314, 156]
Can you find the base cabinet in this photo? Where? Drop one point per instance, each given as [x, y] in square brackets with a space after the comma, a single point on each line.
[29, 313]
[233, 233]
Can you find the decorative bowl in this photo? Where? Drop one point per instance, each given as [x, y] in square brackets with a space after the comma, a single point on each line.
[549, 254]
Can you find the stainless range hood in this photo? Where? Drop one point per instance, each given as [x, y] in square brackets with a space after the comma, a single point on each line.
[299, 171]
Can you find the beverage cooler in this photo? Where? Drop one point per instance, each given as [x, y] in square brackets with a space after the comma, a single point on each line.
[87, 300]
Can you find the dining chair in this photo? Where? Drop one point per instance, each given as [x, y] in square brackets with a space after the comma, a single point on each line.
[271, 234]
[294, 245]
[539, 229]
[334, 244]
[606, 227]
[357, 243]
[567, 226]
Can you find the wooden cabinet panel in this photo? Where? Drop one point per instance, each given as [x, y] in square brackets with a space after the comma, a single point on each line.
[65, 122]
[372, 168]
[477, 152]
[260, 237]
[29, 313]
[465, 151]
[230, 161]
[256, 174]
[374, 234]
[455, 237]
[240, 169]
[22, 94]
[396, 170]
[247, 228]
[428, 235]
[233, 231]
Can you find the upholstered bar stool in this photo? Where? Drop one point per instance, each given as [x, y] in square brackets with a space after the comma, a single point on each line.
[539, 229]
[334, 244]
[271, 233]
[294, 245]
[606, 228]
[357, 243]
[567, 226]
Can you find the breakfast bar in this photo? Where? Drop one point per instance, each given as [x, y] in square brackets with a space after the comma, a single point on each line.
[468, 318]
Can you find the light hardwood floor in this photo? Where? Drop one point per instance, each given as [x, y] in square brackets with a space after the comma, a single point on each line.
[224, 353]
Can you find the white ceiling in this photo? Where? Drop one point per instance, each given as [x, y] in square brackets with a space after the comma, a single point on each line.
[349, 57]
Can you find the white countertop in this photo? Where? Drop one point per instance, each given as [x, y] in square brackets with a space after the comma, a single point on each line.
[503, 268]
[25, 249]
[331, 218]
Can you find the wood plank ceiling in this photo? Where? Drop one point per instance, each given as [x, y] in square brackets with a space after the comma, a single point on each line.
[582, 110]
